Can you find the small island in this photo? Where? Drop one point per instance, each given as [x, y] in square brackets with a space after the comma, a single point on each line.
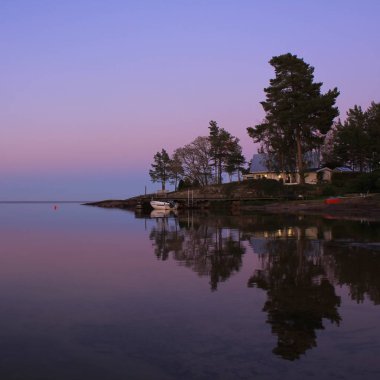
[305, 155]
[260, 196]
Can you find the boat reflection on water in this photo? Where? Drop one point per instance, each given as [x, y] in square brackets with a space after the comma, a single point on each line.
[163, 213]
[300, 262]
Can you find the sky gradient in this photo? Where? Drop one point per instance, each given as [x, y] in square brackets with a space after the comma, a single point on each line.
[90, 90]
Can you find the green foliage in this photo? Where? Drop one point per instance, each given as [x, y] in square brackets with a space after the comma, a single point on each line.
[194, 162]
[160, 168]
[351, 140]
[357, 140]
[329, 190]
[297, 114]
[176, 170]
[367, 182]
[269, 186]
[356, 182]
[225, 152]
[218, 138]
[296, 192]
[234, 160]
[341, 180]
[247, 169]
[184, 184]
[195, 184]
[373, 131]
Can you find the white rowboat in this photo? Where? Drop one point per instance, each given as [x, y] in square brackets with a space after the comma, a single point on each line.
[169, 205]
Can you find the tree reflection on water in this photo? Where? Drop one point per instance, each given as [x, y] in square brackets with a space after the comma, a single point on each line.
[299, 294]
[357, 267]
[301, 260]
[207, 248]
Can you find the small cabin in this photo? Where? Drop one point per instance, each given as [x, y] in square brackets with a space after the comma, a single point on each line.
[313, 174]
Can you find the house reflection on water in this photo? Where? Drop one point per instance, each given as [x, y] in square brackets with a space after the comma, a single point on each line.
[301, 260]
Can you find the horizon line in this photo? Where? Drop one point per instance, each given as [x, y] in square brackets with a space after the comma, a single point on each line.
[50, 201]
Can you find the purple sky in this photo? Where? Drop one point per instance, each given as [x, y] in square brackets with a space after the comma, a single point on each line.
[90, 90]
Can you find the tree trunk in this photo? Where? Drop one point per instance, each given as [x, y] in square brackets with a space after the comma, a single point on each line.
[300, 159]
[220, 172]
[163, 185]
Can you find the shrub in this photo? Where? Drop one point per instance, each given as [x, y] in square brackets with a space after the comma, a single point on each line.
[367, 182]
[342, 179]
[267, 187]
[183, 184]
[329, 190]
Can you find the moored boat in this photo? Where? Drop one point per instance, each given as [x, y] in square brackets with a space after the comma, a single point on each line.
[167, 205]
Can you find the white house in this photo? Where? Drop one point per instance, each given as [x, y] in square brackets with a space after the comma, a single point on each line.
[313, 174]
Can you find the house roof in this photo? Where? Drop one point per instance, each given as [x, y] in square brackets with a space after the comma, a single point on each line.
[342, 169]
[325, 168]
[258, 164]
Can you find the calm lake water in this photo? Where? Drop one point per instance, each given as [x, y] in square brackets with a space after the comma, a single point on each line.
[90, 293]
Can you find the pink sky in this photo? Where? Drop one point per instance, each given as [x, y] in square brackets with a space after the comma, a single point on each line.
[93, 89]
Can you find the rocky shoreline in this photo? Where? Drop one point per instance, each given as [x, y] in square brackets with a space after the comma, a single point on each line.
[359, 208]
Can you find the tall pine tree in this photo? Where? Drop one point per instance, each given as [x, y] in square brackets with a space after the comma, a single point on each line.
[297, 114]
[160, 171]
[373, 130]
[357, 140]
[351, 140]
